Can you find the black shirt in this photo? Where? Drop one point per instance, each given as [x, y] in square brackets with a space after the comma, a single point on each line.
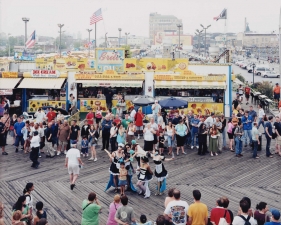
[268, 125]
[235, 103]
[74, 132]
[175, 121]
[108, 97]
[278, 127]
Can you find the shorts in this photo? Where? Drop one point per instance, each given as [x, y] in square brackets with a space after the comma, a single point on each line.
[63, 142]
[247, 96]
[278, 139]
[73, 169]
[122, 182]
[55, 140]
[170, 141]
[139, 128]
[148, 146]
[230, 135]
[276, 96]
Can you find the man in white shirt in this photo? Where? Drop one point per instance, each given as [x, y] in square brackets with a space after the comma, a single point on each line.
[210, 120]
[241, 219]
[40, 116]
[261, 115]
[177, 209]
[73, 162]
[156, 108]
[34, 145]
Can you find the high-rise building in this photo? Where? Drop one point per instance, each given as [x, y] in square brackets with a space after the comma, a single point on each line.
[163, 23]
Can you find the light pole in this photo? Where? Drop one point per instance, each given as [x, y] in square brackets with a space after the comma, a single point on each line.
[105, 40]
[205, 28]
[254, 65]
[60, 26]
[9, 44]
[119, 42]
[199, 44]
[89, 30]
[25, 20]
[179, 26]
[127, 38]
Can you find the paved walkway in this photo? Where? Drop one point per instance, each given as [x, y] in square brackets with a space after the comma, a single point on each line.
[223, 175]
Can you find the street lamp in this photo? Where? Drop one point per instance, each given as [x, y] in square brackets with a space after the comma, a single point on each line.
[119, 37]
[60, 26]
[105, 40]
[199, 45]
[205, 28]
[179, 26]
[89, 30]
[254, 65]
[127, 38]
[25, 20]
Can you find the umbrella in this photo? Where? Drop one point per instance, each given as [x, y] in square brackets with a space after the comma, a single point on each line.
[63, 111]
[143, 101]
[173, 103]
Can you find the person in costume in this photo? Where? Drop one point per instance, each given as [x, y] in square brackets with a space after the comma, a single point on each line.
[160, 172]
[144, 176]
[129, 157]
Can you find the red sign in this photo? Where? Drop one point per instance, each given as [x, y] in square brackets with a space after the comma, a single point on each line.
[45, 73]
[6, 92]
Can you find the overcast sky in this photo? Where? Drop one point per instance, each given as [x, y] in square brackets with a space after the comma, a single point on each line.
[133, 15]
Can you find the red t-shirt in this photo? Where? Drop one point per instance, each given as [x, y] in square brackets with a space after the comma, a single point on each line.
[218, 213]
[90, 118]
[117, 121]
[51, 116]
[138, 119]
[247, 90]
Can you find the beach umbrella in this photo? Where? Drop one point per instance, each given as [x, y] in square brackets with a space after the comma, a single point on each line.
[173, 103]
[143, 101]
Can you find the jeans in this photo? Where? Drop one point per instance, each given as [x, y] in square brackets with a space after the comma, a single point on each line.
[224, 138]
[268, 141]
[171, 142]
[188, 139]
[238, 146]
[261, 122]
[105, 139]
[255, 143]
[248, 133]
[155, 118]
[34, 156]
[194, 135]
[19, 139]
[109, 105]
[71, 141]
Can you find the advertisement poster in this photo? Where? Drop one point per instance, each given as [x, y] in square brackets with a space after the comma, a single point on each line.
[24, 56]
[172, 39]
[110, 59]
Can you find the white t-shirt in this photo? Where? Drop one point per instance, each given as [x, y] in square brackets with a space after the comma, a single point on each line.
[148, 135]
[29, 201]
[40, 116]
[35, 141]
[261, 113]
[156, 109]
[178, 210]
[112, 131]
[154, 126]
[73, 154]
[132, 114]
[39, 130]
[239, 221]
[210, 121]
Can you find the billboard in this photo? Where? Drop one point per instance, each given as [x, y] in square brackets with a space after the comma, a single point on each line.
[172, 39]
[110, 59]
[24, 56]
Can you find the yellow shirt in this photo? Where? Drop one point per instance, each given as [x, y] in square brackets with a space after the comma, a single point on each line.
[198, 212]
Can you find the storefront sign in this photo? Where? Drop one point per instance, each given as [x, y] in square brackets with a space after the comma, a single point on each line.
[45, 73]
[110, 59]
[109, 77]
[6, 92]
[189, 78]
[10, 74]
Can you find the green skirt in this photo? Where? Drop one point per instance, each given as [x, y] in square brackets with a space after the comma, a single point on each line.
[213, 145]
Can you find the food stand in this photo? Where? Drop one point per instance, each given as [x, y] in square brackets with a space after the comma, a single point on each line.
[43, 88]
[92, 87]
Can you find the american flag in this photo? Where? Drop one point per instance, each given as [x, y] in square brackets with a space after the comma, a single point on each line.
[96, 17]
[31, 41]
[223, 15]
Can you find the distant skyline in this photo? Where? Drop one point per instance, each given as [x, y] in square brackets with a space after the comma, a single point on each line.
[133, 16]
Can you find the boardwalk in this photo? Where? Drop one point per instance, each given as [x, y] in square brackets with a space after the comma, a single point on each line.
[224, 175]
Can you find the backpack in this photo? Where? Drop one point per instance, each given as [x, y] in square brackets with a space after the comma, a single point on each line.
[247, 221]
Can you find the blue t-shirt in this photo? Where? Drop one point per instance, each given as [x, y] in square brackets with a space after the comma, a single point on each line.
[268, 125]
[196, 122]
[272, 223]
[18, 126]
[181, 129]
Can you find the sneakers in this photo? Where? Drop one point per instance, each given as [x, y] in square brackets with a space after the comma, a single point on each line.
[192, 147]
[197, 146]
[87, 155]
[184, 153]
[39, 156]
[217, 154]
[91, 159]
[4, 153]
[138, 137]
[95, 159]
[65, 152]
[58, 153]
[212, 154]
[72, 186]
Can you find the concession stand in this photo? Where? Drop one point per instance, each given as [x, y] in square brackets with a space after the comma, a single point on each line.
[92, 88]
[43, 88]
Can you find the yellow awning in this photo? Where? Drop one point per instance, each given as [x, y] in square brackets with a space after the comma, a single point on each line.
[110, 83]
[42, 83]
[9, 83]
[190, 84]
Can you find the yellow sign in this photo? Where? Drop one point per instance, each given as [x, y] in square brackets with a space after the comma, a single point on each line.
[189, 78]
[34, 105]
[205, 108]
[109, 72]
[10, 74]
[45, 74]
[93, 103]
[106, 76]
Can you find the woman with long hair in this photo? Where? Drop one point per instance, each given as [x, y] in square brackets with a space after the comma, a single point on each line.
[170, 130]
[29, 187]
[40, 213]
[112, 210]
[21, 206]
[213, 145]
[202, 139]
[260, 214]
[145, 174]
[230, 127]
[94, 136]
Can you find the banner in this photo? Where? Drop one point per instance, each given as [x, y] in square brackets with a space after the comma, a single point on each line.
[110, 59]
[10, 74]
[189, 78]
[6, 92]
[24, 56]
[109, 77]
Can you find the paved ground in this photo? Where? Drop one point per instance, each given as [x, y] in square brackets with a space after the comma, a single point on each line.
[223, 175]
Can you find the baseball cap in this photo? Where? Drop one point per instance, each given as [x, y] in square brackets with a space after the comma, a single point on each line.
[275, 213]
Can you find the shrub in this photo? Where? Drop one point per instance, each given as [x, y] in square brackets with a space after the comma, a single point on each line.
[265, 88]
[240, 77]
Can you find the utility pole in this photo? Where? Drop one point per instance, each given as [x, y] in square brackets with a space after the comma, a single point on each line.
[127, 38]
[89, 30]
[25, 20]
[60, 26]
[105, 40]
[119, 37]
[9, 44]
[205, 28]
[179, 26]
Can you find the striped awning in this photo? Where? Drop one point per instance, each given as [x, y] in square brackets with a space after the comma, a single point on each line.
[111, 83]
[9, 83]
[190, 84]
[42, 83]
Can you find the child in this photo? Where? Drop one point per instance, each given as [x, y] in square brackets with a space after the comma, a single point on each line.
[84, 146]
[26, 136]
[122, 178]
[143, 221]
[40, 212]
[161, 142]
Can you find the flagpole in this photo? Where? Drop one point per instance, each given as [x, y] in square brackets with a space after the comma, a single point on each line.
[95, 36]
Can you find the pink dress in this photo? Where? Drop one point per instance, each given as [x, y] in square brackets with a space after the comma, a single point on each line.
[112, 211]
